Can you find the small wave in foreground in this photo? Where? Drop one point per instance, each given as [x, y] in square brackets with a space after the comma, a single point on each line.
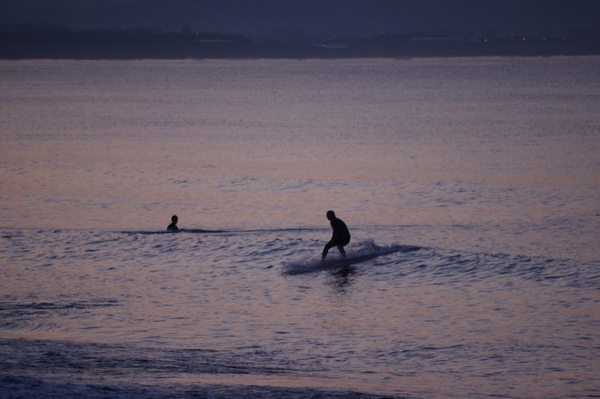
[364, 251]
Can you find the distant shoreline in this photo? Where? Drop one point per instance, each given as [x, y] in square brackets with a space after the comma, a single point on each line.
[98, 45]
[75, 53]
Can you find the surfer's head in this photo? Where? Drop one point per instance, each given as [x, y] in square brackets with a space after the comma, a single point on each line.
[330, 215]
[174, 219]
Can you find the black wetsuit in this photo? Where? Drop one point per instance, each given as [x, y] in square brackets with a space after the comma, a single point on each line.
[340, 237]
[172, 227]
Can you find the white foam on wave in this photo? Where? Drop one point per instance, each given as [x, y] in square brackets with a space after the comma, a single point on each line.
[360, 252]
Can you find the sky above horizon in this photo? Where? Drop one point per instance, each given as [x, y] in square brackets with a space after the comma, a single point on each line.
[334, 17]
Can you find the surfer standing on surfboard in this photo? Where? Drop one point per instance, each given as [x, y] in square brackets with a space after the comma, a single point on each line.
[340, 237]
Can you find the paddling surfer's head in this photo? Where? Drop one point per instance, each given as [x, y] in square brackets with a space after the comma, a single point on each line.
[173, 225]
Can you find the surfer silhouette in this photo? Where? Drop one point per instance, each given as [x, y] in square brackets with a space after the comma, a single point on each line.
[173, 225]
[340, 237]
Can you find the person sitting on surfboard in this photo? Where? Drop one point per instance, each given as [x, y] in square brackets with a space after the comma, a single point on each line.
[173, 225]
[340, 237]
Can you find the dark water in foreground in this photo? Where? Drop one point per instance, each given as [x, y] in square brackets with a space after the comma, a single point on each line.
[258, 308]
[470, 188]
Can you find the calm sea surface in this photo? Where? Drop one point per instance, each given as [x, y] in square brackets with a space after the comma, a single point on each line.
[470, 186]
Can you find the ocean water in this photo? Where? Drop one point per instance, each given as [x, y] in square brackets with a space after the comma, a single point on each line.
[470, 187]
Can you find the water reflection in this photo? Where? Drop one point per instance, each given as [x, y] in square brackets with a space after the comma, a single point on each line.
[343, 278]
